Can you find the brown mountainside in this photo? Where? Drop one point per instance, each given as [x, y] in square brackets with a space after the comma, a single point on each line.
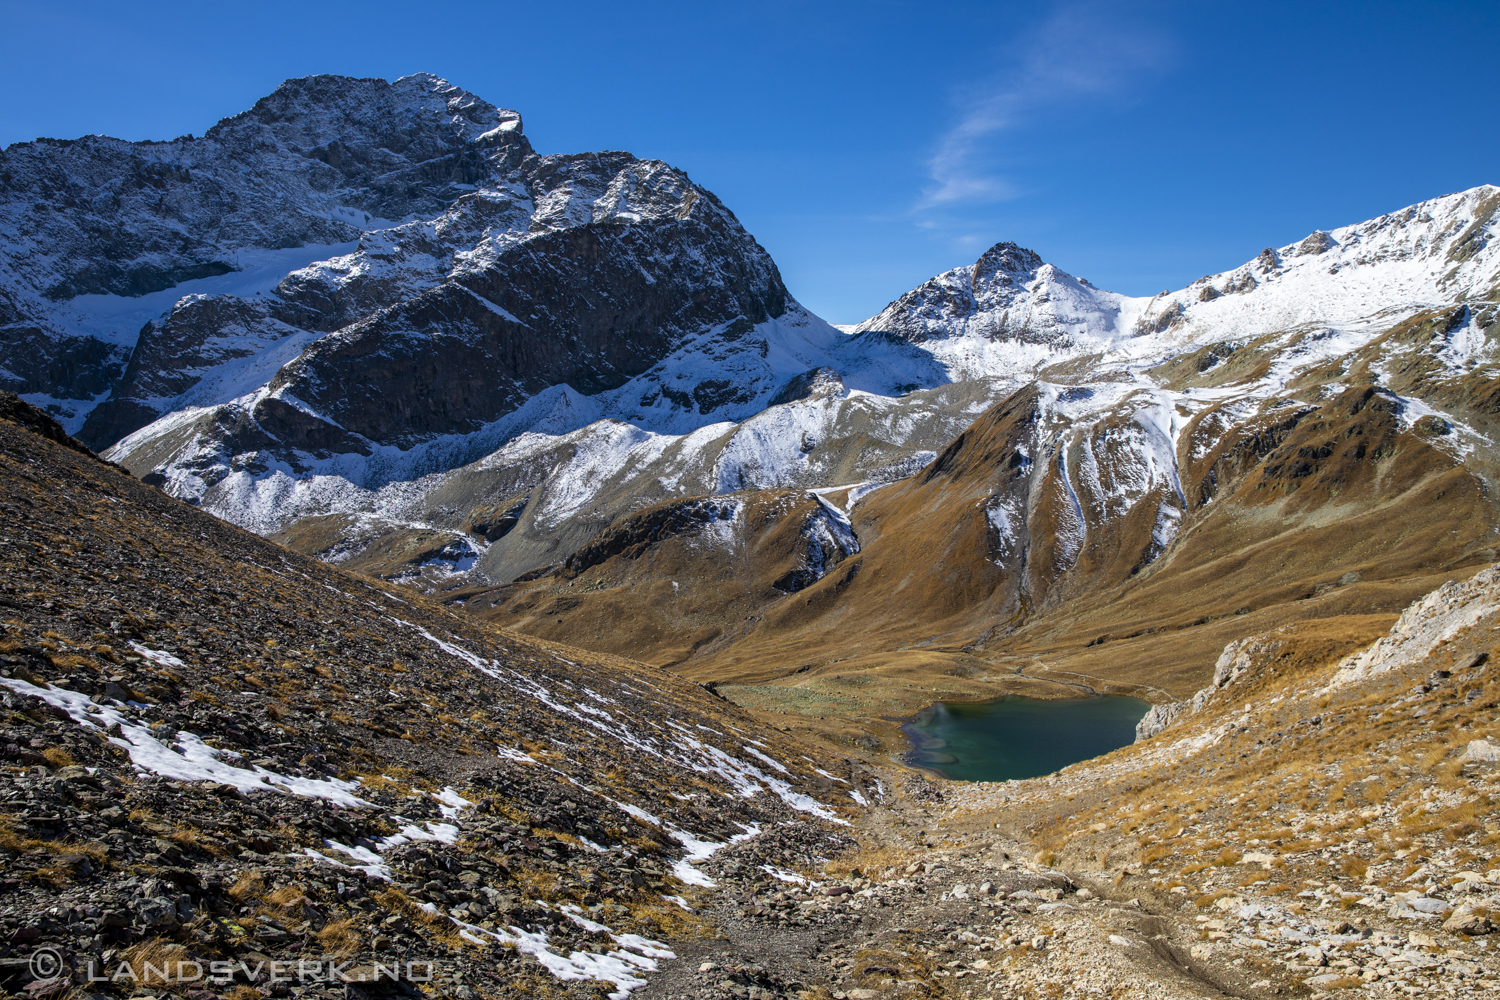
[1035, 543]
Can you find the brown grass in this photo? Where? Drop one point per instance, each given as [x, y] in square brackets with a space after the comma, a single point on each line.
[56, 875]
[341, 937]
[196, 840]
[247, 886]
[1346, 983]
[438, 926]
[868, 860]
[287, 895]
[1209, 899]
[157, 962]
[58, 757]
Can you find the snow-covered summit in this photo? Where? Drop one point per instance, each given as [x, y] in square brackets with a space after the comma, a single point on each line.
[310, 112]
[1010, 312]
[1008, 294]
[1426, 256]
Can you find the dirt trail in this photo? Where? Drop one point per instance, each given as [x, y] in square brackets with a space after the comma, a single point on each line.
[929, 907]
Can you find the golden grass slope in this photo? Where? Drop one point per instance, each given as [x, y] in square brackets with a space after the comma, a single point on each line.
[1293, 511]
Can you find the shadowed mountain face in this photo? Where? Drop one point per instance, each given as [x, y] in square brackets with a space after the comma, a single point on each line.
[96, 230]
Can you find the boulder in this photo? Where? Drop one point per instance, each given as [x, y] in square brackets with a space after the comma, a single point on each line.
[1482, 753]
[1467, 920]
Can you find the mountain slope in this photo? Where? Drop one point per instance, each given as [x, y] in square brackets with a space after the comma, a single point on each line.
[1282, 321]
[218, 750]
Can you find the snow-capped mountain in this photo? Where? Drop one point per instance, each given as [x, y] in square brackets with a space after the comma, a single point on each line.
[382, 307]
[1311, 434]
[895, 392]
[101, 236]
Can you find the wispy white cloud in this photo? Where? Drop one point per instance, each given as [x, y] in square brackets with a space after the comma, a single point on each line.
[1083, 50]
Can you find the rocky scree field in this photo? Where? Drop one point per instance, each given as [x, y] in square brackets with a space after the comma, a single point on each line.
[217, 750]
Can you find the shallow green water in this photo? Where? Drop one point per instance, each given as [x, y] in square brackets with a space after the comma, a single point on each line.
[1019, 737]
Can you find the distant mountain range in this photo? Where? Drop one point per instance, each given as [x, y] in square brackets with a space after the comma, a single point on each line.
[368, 319]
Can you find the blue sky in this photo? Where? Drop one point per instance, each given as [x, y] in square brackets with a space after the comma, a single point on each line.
[871, 145]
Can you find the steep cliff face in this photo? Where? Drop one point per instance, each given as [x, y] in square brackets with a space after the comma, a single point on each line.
[362, 264]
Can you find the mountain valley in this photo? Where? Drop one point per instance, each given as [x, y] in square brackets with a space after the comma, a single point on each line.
[420, 549]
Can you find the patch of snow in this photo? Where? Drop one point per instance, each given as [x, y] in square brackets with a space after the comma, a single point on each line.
[783, 875]
[774, 763]
[188, 758]
[451, 803]
[622, 966]
[157, 656]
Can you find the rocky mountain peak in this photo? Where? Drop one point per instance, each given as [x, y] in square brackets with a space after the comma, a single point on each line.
[312, 111]
[1009, 295]
[1005, 258]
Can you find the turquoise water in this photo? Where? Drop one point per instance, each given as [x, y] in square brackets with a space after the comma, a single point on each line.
[1019, 737]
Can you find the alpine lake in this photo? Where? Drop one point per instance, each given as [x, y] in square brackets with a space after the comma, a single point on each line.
[1017, 737]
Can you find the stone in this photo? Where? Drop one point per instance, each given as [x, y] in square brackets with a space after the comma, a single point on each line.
[1158, 718]
[78, 864]
[1465, 920]
[1480, 752]
[1426, 904]
[157, 912]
